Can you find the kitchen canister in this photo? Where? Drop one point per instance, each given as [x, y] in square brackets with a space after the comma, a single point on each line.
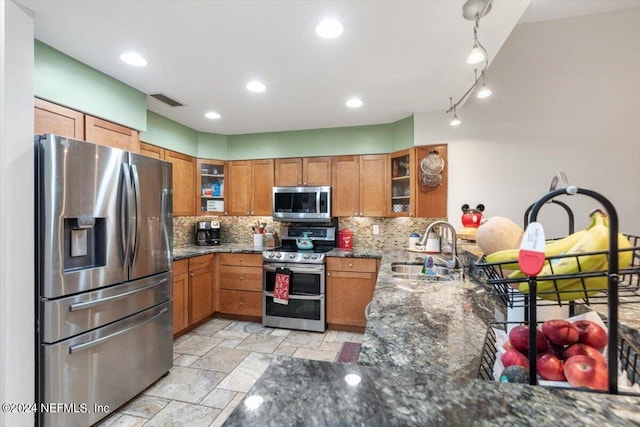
[345, 239]
[414, 239]
[258, 240]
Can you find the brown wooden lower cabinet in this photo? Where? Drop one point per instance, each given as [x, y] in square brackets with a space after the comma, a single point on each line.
[350, 286]
[180, 295]
[193, 291]
[242, 303]
[241, 284]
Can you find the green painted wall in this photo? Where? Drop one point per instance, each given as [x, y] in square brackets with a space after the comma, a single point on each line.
[169, 134]
[402, 134]
[63, 80]
[315, 142]
[212, 146]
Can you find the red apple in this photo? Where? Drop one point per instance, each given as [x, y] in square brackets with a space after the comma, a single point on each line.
[560, 332]
[507, 346]
[556, 350]
[519, 338]
[584, 350]
[585, 371]
[550, 367]
[514, 357]
[591, 334]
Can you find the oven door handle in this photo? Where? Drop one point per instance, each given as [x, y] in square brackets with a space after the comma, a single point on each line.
[299, 297]
[295, 268]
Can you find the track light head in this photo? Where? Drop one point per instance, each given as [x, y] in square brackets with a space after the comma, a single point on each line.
[484, 91]
[476, 55]
[455, 121]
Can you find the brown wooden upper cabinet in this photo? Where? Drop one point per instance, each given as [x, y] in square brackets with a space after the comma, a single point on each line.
[63, 121]
[359, 185]
[303, 171]
[250, 187]
[184, 183]
[151, 150]
[431, 196]
[106, 133]
[56, 119]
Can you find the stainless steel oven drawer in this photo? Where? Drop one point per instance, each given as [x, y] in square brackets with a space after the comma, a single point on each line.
[65, 317]
[105, 367]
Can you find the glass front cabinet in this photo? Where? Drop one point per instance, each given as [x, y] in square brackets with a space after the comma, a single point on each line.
[402, 184]
[211, 186]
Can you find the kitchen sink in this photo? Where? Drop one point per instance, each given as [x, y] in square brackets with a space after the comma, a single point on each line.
[413, 271]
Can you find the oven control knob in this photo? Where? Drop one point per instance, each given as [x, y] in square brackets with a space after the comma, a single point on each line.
[314, 257]
[278, 255]
[292, 256]
[306, 256]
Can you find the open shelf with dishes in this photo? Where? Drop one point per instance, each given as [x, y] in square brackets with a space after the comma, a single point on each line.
[610, 285]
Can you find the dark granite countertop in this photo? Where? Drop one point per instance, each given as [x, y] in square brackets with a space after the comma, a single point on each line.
[299, 392]
[418, 366]
[193, 250]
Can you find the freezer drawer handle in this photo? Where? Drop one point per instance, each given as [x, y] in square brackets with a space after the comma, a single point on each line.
[87, 345]
[299, 297]
[76, 306]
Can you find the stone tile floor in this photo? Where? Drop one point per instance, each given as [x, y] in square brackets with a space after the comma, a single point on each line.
[214, 366]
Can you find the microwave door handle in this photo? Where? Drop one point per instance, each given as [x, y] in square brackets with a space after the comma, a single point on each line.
[136, 193]
[125, 225]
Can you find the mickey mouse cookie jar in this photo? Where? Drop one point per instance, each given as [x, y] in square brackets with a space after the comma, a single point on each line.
[471, 219]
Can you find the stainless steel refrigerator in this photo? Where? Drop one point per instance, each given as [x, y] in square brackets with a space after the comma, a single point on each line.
[103, 278]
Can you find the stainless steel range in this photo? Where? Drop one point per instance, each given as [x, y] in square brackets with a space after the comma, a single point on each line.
[306, 305]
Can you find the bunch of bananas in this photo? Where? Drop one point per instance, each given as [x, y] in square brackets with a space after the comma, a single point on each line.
[592, 239]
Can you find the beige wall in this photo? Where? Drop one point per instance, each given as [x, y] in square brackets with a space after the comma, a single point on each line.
[566, 98]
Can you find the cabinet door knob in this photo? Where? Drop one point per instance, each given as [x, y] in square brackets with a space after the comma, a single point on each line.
[241, 278]
[241, 302]
[329, 273]
[191, 274]
[350, 265]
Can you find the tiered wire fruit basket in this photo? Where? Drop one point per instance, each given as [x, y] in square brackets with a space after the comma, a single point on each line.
[621, 287]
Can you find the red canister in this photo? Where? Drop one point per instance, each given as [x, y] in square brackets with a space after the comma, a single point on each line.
[345, 239]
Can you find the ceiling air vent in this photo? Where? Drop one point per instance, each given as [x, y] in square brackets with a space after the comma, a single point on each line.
[169, 101]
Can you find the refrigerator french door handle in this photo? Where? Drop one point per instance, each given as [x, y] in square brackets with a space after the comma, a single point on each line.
[76, 306]
[136, 192]
[125, 217]
[87, 345]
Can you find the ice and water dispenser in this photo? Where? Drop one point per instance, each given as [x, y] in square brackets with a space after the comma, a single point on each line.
[84, 243]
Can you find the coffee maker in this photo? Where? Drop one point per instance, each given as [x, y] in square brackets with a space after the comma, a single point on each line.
[207, 233]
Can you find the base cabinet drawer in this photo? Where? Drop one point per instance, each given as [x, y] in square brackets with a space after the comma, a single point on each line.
[245, 303]
[241, 278]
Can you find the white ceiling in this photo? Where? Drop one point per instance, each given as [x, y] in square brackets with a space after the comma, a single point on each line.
[399, 56]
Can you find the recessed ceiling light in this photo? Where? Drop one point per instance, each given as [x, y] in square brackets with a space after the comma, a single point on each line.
[256, 86]
[329, 29]
[212, 115]
[134, 59]
[354, 103]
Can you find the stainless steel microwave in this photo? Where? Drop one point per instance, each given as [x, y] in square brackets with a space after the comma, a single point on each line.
[302, 204]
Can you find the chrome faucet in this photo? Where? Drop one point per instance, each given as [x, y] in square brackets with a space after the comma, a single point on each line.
[453, 263]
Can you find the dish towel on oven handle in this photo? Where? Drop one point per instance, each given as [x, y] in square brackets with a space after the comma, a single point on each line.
[281, 289]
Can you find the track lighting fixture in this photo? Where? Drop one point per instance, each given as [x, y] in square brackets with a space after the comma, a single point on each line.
[455, 121]
[474, 10]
